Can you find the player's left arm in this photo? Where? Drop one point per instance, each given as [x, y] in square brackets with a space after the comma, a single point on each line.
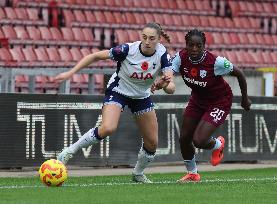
[165, 82]
[245, 101]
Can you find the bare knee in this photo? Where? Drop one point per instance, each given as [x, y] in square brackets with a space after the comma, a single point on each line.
[151, 143]
[107, 130]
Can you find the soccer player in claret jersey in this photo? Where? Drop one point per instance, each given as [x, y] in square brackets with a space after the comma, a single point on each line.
[210, 101]
[138, 64]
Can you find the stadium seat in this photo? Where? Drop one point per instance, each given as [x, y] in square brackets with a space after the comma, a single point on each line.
[65, 54]
[79, 16]
[10, 13]
[68, 17]
[21, 32]
[85, 51]
[76, 54]
[29, 54]
[45, 33]
[56, 34]
[9, 32]
[2, 14]
[90, 17]
[53, 54]
[17, 54]
[33, 32]
[21, 13]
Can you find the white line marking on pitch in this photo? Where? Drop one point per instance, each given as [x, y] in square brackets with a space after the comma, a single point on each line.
[132, 183]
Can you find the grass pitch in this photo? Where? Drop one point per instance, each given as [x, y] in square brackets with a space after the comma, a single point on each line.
[239, 186]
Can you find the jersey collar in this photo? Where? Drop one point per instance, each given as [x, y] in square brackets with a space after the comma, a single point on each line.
[200, 60]
[145, 55]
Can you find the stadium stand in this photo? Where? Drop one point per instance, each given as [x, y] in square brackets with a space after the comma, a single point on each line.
[59, 33]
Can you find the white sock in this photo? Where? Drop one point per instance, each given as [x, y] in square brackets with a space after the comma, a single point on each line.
[217, 144]
[144, 159]
[191, 165]
[89, 138]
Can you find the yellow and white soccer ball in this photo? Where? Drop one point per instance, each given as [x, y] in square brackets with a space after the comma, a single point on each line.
[53, 173]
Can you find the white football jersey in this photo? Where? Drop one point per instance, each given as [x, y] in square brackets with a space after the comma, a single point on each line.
[136, 71]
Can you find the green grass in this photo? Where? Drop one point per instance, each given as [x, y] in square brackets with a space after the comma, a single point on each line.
[239, 186]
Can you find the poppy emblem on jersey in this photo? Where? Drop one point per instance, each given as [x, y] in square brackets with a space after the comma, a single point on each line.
[193, 72]
[203, 73]
[144, 66]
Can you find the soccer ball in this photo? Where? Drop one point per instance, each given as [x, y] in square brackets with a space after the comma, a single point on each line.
[53, 173]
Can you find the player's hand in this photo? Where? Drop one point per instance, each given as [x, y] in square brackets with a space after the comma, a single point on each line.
[246, 103]
[161, 83]
[62, 77]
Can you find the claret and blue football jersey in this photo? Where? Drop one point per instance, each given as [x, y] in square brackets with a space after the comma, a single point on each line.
[204, 76]
[136, 71]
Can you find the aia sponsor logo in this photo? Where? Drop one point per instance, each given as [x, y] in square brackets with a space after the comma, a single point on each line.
[141, 76]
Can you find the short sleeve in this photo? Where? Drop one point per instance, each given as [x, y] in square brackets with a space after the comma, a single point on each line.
[165, 62]
[176, 63]
[222, 66]
[119, 53]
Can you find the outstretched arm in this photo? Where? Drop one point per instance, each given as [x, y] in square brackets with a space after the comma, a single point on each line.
[245, 101]
[87, 60]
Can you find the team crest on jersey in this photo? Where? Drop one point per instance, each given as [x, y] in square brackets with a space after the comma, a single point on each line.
[203, 73]
[144, 66]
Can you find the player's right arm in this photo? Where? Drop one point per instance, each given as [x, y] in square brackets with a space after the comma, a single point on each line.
[87, 60]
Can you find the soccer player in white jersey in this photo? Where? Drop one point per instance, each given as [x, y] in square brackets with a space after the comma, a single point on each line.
[138, 64]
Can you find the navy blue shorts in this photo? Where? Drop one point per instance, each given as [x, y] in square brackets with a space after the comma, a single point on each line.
[137, 106]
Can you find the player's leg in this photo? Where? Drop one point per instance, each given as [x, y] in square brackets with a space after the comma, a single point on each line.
[211, 120]
[148, 126]
[188, 150]
[111, 112]
[191, 118]
[146, 120]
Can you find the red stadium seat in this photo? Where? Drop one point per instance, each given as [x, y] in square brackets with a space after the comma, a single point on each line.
[29, 54]
[89, 15]
[55, 32]
[17, 54]
[76, 54]
[149, 17]
[78, 34]
[120, 18]
[32, 14]
[9, 32]
[79, 16]
[5, 55]
[10, 13]
[139, 18]
[121, 36]
[65, 54]
[2, 14]
[67, 34]
[100, 17]
[21, 13]
[130, 18]
[109, 17]
[53, 54]
[33, 32]
[85, 51]
[68, 16]
[21, 33]
[45, 33]
[88, 34]
[41, 54]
